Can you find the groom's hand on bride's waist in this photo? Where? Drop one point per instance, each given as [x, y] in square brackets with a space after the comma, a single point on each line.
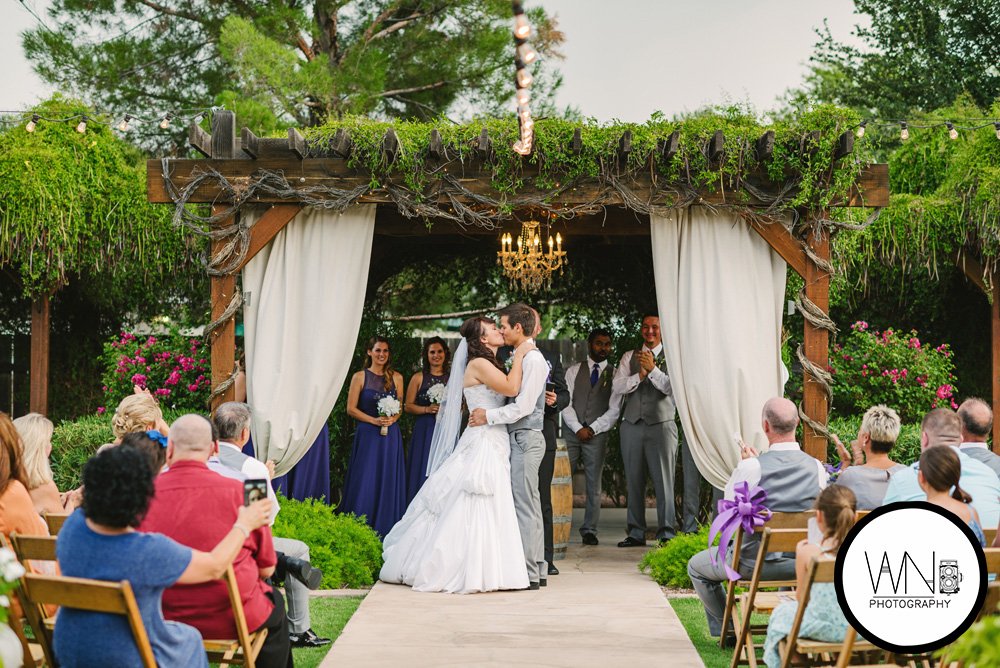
[477, 418]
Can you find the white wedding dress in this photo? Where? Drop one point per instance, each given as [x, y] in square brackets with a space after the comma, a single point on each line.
[460, 533]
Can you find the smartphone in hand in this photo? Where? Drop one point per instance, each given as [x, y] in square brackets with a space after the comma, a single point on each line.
[550, 387]
[254, 489]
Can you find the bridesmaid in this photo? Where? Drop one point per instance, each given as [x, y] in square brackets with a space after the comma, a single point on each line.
[436, 365]
[376, 477]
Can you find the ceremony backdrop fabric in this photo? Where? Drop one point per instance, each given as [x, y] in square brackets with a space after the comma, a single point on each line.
[304, 297]
[720, 291]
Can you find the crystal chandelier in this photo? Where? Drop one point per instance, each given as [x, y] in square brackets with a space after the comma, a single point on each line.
[529, 265]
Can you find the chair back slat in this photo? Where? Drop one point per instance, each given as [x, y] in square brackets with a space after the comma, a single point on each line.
[39, 548]
[992, 559]
[55, 522]
[780, 540]
[991, 535]
[789, 520]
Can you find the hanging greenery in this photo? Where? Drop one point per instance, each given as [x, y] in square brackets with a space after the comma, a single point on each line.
[72, 202]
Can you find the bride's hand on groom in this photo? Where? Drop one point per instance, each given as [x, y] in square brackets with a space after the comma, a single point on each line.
[526, 347]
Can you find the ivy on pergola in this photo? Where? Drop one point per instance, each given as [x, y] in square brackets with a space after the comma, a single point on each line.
[445, 179]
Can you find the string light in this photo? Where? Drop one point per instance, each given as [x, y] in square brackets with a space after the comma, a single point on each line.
[33, 123]
[524, 56]
[904, 132]
[81, 127]
[522, 29]
[522, 97]
[523, 76]
[952, 132]
[165, 123]
[101, 118]
[526, 53]
[123, 126]
[861, 129]
[996, 126]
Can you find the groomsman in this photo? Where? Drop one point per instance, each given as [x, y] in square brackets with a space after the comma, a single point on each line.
[592, 412]
[649, 437]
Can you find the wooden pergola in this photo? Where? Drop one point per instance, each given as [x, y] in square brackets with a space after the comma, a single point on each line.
[241, 158]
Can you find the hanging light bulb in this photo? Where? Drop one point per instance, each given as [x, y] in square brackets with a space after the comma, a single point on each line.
[524, 112]
[33, 123]
[523, 96]
[522, 29]
[904, 132]
[861, 129]
[952, 132]
[997, 126]
[526, 53]
[81, 127]
[165, 123]
[523, 77]
[123, 126]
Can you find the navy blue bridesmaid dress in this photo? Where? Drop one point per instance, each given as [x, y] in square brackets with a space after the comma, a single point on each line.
[420, 443]
[376, 475]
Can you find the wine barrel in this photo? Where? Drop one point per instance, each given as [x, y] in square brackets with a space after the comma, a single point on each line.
[562, 502]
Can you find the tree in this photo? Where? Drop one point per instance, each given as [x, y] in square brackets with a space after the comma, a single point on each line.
[917, 55]
[285, 63]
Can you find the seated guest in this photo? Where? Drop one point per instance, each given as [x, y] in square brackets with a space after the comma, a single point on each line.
[17, 509]
[939, 476]
[99, 541]
[231, 424]
[137, 412]
[36, 438]
[195, 507]
[869, 476]
[823, 619]
[792, 480]
[151, 443]
[977, 423]
[942, 427]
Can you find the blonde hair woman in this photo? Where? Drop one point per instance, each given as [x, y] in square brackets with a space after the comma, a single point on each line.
[870, 465]
[137, 412]
[36, 439]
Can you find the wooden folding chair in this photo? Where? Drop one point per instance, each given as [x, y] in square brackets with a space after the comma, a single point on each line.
[778, 521]
[243, 649]
[81, 594]
[819, 571]
[847, 652]
[992, 560]
[990, 535]
[55, 521]
[756, 601]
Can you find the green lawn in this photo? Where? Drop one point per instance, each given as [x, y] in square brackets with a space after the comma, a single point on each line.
[692, 616]
[329, 616]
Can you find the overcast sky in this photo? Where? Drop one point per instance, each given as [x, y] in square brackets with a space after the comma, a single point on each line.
[625, 59]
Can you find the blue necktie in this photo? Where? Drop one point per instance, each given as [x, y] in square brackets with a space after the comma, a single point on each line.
[595, 374]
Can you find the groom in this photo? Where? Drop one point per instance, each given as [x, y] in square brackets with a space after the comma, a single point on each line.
[524, 418]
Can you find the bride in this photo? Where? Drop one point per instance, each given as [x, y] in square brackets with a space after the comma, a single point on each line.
[459, 534]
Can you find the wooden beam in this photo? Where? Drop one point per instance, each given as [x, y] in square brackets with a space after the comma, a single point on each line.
[223, 340]
[200, 140]
[669, 147]
[267, 227]
[484, 146]
[250, 142]
[974, 270]
[41, 330]
[390, 146]
[716, 145]
[341, 143]
[624, 147]
[224, 134]
[784, 244]
[296, 143]
[809, 144]
[764, 148]
[576, 143]
[817, 347]
[435, 146]
[872, 188]
[845, 145]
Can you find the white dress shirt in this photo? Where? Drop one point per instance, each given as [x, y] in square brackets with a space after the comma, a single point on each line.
[256, 469]
[608, 419]
[748, 470]
[626, 382]
[969, 445]
[534, 371]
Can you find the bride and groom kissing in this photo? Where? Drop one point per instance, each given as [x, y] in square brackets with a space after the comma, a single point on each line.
[476, 524]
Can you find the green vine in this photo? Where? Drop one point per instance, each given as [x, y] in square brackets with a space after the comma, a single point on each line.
[72, 202]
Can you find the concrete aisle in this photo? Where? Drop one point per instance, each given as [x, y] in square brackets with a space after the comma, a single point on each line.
[600, 610]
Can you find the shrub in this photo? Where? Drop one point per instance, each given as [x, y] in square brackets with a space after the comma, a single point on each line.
[894, 369]
[979, 646]
[347, 550]
[668, 564]
[906, 450]
[173, 367]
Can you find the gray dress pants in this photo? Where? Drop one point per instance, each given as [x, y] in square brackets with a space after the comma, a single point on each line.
[592, 452]
[651, 447]
[527, 447]
[296, 593]
[692, 490]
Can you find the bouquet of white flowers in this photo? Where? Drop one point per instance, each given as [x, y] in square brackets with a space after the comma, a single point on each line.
[436, 393]
[388, 406]
[11, 572]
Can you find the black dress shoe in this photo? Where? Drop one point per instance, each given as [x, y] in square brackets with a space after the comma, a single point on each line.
[631, 542]
[533, 585]
[552, 569]
[589, 539]
[308, 639]
[302, 570]
[543, 583]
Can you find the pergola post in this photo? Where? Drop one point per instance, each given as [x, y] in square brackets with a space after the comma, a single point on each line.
[816, 343]
[41, 321]
[222, 341]
[976, 273]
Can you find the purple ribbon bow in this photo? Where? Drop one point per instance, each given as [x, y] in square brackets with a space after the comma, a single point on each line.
[746, 509]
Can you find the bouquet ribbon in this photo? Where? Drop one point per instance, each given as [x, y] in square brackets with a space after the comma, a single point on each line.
[745, 509]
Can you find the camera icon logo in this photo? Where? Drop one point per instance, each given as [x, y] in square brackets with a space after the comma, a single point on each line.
[949, 576]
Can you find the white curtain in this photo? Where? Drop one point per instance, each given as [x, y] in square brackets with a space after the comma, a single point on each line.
[720, 291]
[304, 296]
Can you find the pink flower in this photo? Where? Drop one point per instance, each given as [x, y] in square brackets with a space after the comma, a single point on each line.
[140, 360]
[151, 340]
[914, 342]
[859, 326]
[193, 387]
[162, 392]
[101, 410]
[944, 391]
[173, 378]
[138, 379]
[104, 388]
[954, 406]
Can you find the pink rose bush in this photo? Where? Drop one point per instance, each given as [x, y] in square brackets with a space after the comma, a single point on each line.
[893, 368]
[174, 368]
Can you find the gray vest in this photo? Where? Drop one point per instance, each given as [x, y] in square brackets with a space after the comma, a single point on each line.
[646, 403]
[791, 480]
[589, 402]
[985, 456]
[534, 420]
[232, 458]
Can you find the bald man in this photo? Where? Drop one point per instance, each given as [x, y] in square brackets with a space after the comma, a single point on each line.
[196, 507]
[792, 480]
[977, 423]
